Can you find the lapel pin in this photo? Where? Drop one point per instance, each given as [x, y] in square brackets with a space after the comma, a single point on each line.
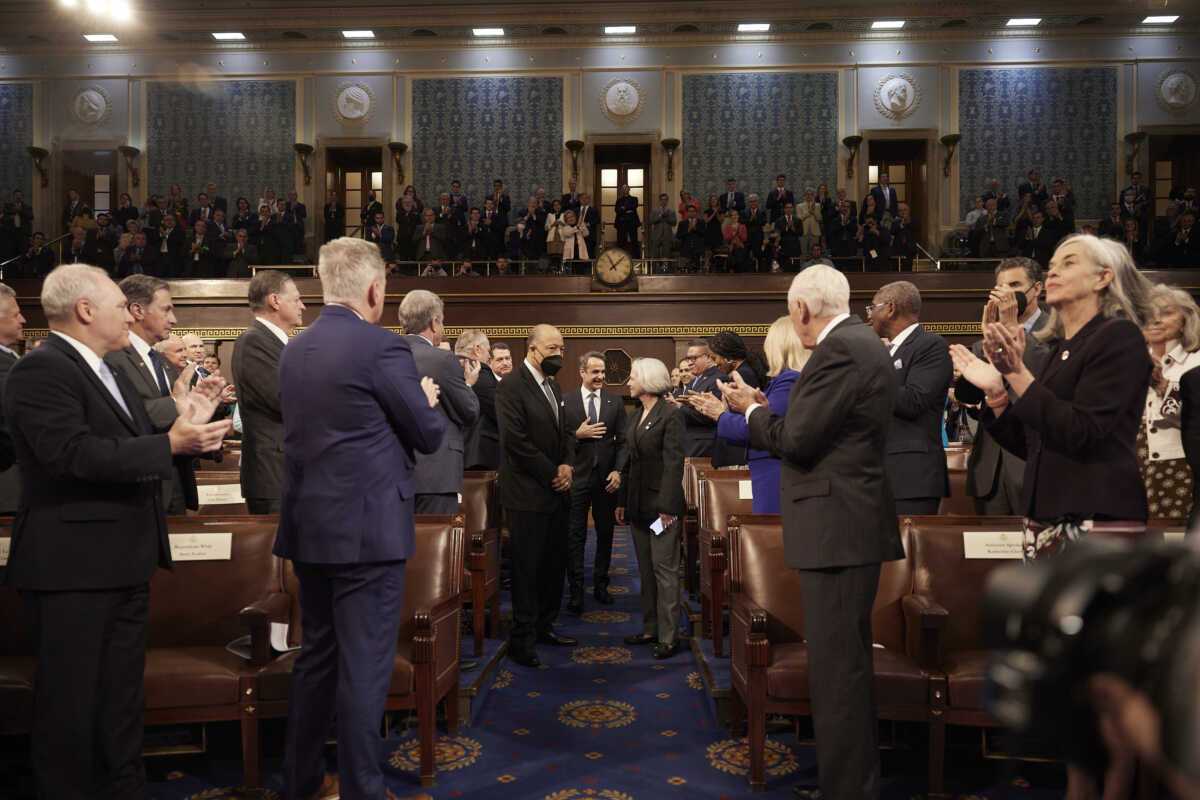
[1066, 354]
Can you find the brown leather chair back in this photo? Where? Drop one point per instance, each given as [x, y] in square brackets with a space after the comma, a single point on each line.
[434, 573]
[719, 497]
[197, 603]
[887, 616]
[691, 479]
[225, 478]
[941, 571]
[231, 458]
[758, 569]
[14, 635]
[480, 500]
[956, 464]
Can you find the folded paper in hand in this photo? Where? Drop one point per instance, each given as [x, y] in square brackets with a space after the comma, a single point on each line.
[657, 526]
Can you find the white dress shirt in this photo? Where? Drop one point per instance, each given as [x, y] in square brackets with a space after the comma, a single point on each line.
[275, 329]
[894, 345]
[585, 393]
[97, 365]
[143, 351]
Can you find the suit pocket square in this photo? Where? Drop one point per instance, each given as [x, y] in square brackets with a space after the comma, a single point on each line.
[898, 364]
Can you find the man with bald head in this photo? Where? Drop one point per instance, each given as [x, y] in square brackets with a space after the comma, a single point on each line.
[536, 451]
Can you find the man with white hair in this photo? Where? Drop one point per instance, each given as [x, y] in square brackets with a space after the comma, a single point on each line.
[174, 353]
[354, 411]
[839, 518]
[481, 450]
[91, 532]
[439, 474]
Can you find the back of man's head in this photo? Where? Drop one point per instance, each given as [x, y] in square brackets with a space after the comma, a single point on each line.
[469, 340]
[824, 290]
[419, 309]
[347, 268]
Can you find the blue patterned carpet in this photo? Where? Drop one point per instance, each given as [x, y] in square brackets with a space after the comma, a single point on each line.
[601, 721]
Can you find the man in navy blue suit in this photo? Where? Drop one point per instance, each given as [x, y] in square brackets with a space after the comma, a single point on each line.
[885, 196]
[732, 199]
[354, 411]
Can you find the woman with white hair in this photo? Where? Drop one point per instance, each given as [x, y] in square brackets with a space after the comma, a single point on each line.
[651, 498]
[1076, 422]
[1173, 334]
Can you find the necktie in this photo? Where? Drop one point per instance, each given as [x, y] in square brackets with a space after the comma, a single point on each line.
[592, 408]
[730, 201]
[160, 374]
[110, 382]
[550, 396]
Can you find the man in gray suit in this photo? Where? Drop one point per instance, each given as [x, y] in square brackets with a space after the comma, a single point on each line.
[995, 476]
[11, 323]
[278, 311]
[437, 479]
[839, 516]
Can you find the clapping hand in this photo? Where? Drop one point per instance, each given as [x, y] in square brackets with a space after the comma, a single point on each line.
[1003, 349]
[707, 404]
[1002, 308]
[740, 395]
[470, 371]
[431, 389]
[976, 370]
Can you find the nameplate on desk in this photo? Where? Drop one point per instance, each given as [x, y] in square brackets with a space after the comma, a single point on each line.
[219, 494]
[745, 490]
[992, 544]
[4, 543]
[201, 546]
[460, 498]
[1169, 535]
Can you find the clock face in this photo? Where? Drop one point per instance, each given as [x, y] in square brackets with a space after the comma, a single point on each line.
[613, 267]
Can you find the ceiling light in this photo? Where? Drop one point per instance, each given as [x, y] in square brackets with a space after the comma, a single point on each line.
[100, 37]
[488, 31]
[618, 29]
[121, 11]
[1166, 19]
[1023, 22]
[754, 27]
[230, 36]
[67, 3]
[358, 34]
[887, 24]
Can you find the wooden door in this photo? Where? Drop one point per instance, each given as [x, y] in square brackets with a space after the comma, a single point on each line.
[616, 166]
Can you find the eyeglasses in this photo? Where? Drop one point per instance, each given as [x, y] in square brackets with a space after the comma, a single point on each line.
[872, 306]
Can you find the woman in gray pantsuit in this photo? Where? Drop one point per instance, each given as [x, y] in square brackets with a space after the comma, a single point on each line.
[651, 495]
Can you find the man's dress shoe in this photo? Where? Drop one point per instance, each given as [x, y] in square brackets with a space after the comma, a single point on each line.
[557, 639]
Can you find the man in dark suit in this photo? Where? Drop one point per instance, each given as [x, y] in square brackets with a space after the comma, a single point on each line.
[458, 199]
[80, 248]
[171, 245]
[203, 253]
[89, 537]
[202, 212]
[839, 520]
[347, 520]
[789, 229]
[779, 197]
[240, 255]
[571, 198]
[294, 216]
[732, 199]
[438, 480]
[278, 311]
[481, 449]
[627, 222]
[591, 215]
[1035, 188]
[916, 460]
[38, 259]
[886, 199]
[153, 315]
[11, 325]
[215, 199]
[756, 224]
[701, 430]
[367, 214]
[382, 236]
[1040, 240]
[335, 217]
[501, 203]
[690, 234]
[536, 452]
[74, 209]
[995, 476]
[843, 232]
[597, 418]
[16, 223]
[432, 239]
[137, 258]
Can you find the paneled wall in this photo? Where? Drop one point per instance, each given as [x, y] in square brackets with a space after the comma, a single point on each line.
[237, 134]
[753, 126]
[16, 134]
[476, 130]
[1062, 121]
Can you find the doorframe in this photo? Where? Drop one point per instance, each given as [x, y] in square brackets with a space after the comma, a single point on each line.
[54, 196]
[388, 194]
[929, 219]
[658, 163]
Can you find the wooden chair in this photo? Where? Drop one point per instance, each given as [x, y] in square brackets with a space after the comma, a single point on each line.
[220, 492]
[956, 463]
[720, 494]
[691, 493]
[481, 574]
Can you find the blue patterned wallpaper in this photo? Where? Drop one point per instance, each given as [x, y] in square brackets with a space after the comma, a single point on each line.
[753, 126]
[16, 133]
[237, 134]
[1062, 121]
[479, 129]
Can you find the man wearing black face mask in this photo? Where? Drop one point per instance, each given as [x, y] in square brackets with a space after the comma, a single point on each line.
[536, 451]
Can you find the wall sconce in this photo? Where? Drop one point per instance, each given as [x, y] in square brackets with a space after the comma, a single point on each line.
[576, 147]
[304, 151]
[398, 150]
[130, 153]
[852, 143]
[1135, 141]
[951, 141]
[670, 145]
[37, 154]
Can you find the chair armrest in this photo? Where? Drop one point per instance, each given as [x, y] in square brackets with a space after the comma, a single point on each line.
[432, 624]
[924, 620]
[477, 548]
[748, 643]
[273, 607]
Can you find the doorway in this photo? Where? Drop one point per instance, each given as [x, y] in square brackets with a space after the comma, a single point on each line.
[92, 173]
[354, 172]
[904, 161]
[1174, 164]
[617, 165]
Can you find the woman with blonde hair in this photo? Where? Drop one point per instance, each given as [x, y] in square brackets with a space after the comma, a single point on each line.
[786, 355]
[1173, 334]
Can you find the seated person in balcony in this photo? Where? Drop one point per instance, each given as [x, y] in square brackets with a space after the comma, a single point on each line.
[756, 222]
[432, 239]
[816, 256]
[433, 269]
[466, 270]
[874, 239]
[843, 232]
[993, 232]
[690, 234]
[503, 267]
[789, 229]
[906, 232]
[240, 255]
[384, 237]
[734, 234]
[38, 259]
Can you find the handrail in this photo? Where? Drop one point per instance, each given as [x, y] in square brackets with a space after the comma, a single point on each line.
[19, 256]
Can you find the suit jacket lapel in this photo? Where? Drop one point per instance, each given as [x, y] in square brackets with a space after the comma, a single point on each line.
[126, 419]
[536, 388]
[138, 371]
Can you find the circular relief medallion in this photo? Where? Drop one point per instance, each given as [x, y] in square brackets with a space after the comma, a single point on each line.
[596, 714]
[451, 752]
[601, 655]
[354, 103]
[1176, 90]
[621, 100]
[897, 96]
[733, 756]
[91, 105]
